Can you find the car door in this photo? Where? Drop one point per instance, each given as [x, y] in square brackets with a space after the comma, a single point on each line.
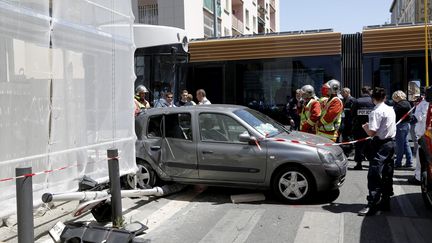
[222, 157]
[171, 144]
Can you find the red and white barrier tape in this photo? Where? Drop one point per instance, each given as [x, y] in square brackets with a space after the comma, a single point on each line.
[49, 171]
[335, 144]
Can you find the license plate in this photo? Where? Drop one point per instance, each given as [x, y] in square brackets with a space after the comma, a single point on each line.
[56, 231]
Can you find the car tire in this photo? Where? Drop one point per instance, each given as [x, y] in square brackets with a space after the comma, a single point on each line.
[128, 181]
[293, 184]
[145, 176]
[332, 195]
[426, 190]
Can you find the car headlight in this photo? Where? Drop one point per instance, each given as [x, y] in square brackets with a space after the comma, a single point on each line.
[326, 156]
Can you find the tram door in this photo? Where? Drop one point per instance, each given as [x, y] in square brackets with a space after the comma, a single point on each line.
[211, 79]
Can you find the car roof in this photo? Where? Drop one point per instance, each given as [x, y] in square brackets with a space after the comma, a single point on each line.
[209, 108]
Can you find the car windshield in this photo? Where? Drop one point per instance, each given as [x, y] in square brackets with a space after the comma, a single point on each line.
[262, 123]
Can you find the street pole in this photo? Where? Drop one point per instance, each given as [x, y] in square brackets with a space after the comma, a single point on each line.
[426, 19]
[114, 177]
[24, 197]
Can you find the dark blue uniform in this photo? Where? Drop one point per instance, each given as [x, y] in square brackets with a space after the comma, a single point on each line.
[360, 111]
[346, 126]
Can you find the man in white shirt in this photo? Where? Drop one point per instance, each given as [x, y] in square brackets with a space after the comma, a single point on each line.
[382, 129]
[420, 128]
[201, 97]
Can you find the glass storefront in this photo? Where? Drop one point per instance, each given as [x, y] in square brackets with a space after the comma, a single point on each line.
[393, 71]
[265, 85]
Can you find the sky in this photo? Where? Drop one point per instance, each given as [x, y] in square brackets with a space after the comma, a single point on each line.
[346, 16]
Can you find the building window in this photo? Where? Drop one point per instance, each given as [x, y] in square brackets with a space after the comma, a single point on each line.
[209, 25]
[148, 14]
[247, 18]
[208, 5]
[226, 32]
[254, 19]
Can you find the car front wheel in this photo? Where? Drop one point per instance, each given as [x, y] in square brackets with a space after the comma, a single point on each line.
[426, 190]
[293, 184]
[145, 176]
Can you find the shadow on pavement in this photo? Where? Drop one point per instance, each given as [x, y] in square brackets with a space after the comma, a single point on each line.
[407, 221]
[222, 195]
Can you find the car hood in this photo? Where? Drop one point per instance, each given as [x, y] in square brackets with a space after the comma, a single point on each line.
[310, 138]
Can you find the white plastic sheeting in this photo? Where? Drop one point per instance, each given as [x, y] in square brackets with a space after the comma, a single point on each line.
[66, 91]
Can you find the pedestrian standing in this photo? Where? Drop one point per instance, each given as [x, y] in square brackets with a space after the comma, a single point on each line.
[330, 120]
[401, 107]
[419, 116]
[202, 97]
[414, 138]
[382, 128]
[168, 101]
[360, 110]
[293, 110]
[190, 99]
[184, 99]
[140, 99]
[311, 110]
[346, 125]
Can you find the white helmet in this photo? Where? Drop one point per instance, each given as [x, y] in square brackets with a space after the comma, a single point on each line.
[334, 86]
[308, 91]
[141, 88]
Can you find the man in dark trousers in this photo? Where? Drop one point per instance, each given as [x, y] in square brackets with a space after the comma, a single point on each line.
[360, 111]
[293, 110]
[382, 128]
[346, 126]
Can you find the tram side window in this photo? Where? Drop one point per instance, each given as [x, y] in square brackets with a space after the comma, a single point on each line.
[155, 127]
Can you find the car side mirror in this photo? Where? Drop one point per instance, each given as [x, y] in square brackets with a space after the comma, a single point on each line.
[246, 138]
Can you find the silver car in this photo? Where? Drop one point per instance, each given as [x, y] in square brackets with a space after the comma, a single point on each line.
[229, 145]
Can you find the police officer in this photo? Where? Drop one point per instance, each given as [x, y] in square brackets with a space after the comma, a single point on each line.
[346, 125]
[311, 110]
[360, 111]
[293, 107]
[382, 127]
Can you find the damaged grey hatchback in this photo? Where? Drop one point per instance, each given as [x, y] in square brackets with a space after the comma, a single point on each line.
[234, 146]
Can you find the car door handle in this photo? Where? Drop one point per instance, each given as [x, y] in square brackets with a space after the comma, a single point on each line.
[155, 148]
[207, 152]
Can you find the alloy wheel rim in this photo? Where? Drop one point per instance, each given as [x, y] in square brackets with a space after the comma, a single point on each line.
[143, 176]
[293, 185]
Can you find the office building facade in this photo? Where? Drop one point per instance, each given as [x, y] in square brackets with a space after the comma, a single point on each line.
[408, 11]
[197, 17]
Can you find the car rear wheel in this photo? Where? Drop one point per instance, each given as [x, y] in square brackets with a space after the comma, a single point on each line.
[293, 184]
[145, 176]
[426, 190]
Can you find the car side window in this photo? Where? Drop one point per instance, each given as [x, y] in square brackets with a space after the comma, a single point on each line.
[220, 128]
[234, 129]
[178, 126]
[154, 129]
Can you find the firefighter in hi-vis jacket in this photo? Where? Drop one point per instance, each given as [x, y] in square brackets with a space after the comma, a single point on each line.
[311, 111]
[330, 120]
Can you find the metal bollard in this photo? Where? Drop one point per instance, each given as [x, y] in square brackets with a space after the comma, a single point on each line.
[24, 197]
[114, 177]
